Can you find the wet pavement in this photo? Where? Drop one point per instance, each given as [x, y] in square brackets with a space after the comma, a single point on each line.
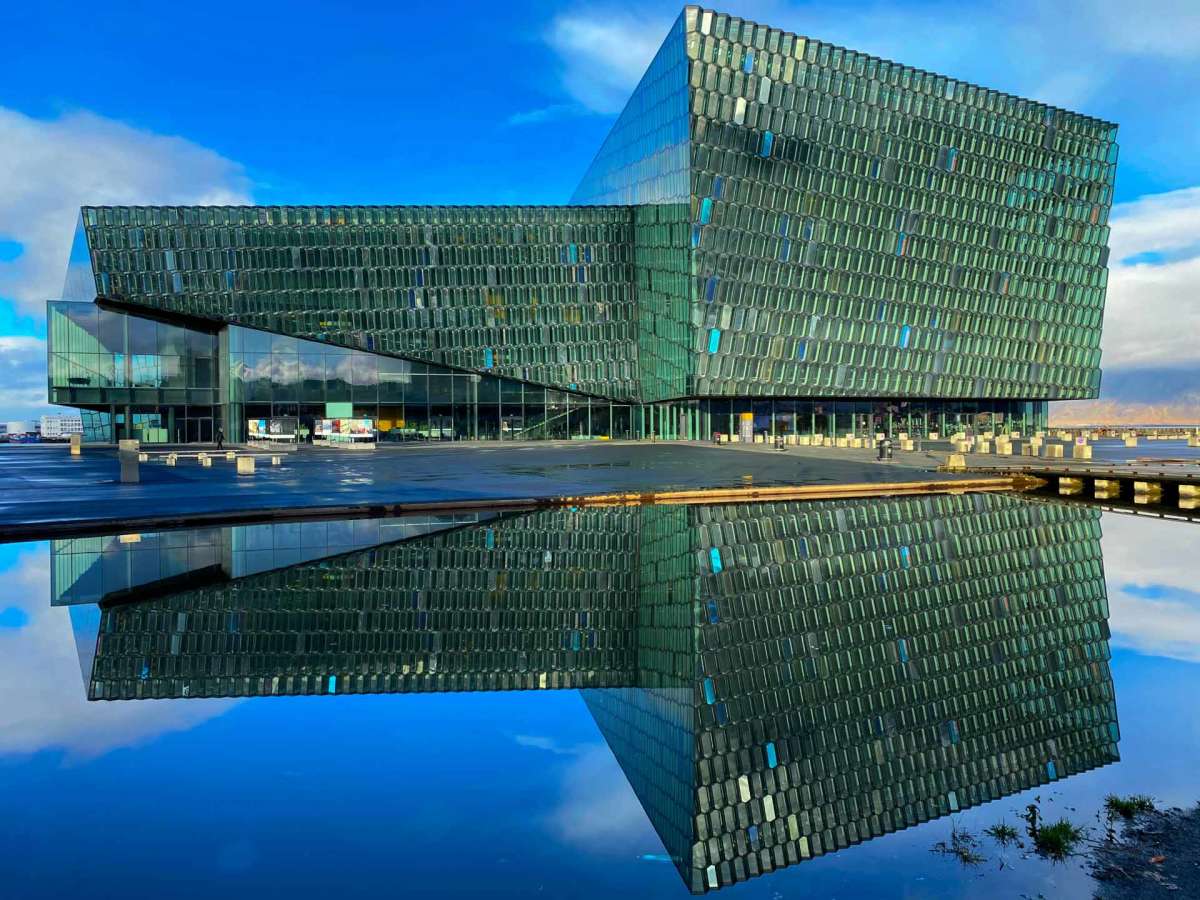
[44, 485]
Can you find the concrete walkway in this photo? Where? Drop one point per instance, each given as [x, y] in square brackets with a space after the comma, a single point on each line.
[42, 486]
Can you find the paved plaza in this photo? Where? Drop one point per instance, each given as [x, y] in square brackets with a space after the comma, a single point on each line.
[45, 486]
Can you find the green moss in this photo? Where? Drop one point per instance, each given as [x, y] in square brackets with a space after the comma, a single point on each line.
[1128, 807]
[1002, 833]
[1058, 840]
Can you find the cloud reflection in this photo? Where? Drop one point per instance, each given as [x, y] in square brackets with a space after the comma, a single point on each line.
[42, 699]
[1154, 606]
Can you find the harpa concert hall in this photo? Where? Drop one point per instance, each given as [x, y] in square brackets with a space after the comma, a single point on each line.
[777, 233]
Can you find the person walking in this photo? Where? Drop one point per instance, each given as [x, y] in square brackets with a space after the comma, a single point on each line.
[220, 437]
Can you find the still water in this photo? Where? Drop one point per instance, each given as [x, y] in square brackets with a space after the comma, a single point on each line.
[767, 700]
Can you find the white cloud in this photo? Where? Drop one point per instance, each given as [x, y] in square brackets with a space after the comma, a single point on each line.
[51, 167]
[23, 374]
[1142, 554]
[603, 54]
[42, 699]
[1156, 28]
[1152, 312]
[552, 113]
[597, 810]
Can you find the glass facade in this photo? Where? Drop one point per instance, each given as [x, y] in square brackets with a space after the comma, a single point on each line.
[777, 681]
[770, 217]
[155, 380]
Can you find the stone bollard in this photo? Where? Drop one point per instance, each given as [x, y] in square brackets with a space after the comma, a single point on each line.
[245, 465]
[1070, 486]
[956, 462]
[1052, 451]
[205, 461]
[230, 455]
[169, 459]
[129, 465]
[1081, 451]
[1131, 441]
[77, 444]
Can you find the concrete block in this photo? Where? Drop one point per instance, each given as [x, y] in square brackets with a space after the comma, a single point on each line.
[1004, 448]
[230, 455]
[902, 436]
[906, 444]
[129, 446]
[841, 442]
[245, 465]
[170, 459]
[804, 440]
[983, 447]
[1190, 491]
[129, 467]
[1052, 451]
[77, 444]
[143, 457]
[1131, 442]
[956, 462]
[276, 460]
[933, 436]
[1081, 451]
[206, 462]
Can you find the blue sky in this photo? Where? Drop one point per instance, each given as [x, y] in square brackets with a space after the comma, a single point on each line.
[314, 102]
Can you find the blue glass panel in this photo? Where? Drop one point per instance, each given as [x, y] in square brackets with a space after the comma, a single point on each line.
[706, 210]
[772, 759]
[902, 648]
[1052, 770]
[332, 684]
[718, 187]
[710, 288]
[802, 351]
[713, 615]
[900, 244]
[748, 62]
[695, 236]
[785, 249]
[714, 557]
[710, 692]
[768, 141]
[714, 340]
[905, 561]
[905, 336]
[489, 358]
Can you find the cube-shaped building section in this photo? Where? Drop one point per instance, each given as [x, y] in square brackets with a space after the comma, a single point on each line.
[778, 236]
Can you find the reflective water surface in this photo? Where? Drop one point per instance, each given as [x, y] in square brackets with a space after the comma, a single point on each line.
[790, 699]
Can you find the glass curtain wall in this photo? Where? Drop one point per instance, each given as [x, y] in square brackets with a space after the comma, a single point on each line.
[154, 380]
[275, 375]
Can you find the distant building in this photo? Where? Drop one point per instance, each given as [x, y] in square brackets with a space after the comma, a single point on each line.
[778, 236]
[60, 426]
[18, 428]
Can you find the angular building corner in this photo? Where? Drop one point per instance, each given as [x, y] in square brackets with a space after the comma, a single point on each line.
[778, 235]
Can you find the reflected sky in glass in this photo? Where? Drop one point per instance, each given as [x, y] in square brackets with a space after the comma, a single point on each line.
[498, 794]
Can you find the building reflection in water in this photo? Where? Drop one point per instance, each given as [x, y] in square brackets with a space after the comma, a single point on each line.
[777, 681]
